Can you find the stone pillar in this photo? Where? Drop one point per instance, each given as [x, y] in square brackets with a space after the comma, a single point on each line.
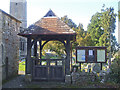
[67, 61]
[73, 75]
[28, 59]
[68, 79]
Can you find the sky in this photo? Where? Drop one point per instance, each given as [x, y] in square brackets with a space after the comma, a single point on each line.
[80, 11]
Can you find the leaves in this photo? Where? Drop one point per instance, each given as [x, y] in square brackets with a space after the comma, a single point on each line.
[115, 70]
[101, 27]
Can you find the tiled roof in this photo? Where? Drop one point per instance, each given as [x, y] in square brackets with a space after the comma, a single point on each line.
[49, 25]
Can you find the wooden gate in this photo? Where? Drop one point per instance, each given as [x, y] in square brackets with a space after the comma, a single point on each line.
[48, 69]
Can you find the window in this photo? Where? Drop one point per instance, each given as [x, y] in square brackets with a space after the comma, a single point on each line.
[22, 45]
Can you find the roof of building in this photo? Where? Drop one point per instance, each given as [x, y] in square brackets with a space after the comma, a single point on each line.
[50, 13]
[9, 15]
[50, 24]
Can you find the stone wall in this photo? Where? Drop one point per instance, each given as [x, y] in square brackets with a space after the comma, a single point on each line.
[9, 43]
[18, 8]
[80, 77]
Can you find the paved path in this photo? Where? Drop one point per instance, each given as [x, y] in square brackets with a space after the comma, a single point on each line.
[17, 82]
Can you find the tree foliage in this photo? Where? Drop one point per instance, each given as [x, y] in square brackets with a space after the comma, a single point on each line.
[101, 27]
[115, 70]
[94, 29]
[68, 21]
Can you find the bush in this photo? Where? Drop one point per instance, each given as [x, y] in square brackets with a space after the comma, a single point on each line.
[114, 75]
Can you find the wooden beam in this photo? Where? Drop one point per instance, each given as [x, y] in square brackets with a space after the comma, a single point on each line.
[101, 66]
[34, 41]
[67, 61]
[41, 47]
[44, 44]
[28, 59]
[35, 49]
[53, 39]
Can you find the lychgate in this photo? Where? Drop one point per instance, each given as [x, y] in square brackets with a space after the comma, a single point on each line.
[48, 28]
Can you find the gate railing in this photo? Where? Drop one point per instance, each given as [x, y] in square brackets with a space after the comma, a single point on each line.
[51, 62]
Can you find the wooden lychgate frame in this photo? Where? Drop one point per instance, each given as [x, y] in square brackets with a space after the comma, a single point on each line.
[48, 28]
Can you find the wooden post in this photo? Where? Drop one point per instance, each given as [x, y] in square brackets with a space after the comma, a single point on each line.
[40, 43]
[28, 59]
[101, 66]
[35, 49]
[67, 61]
[71, 59]
[80, 66]
[95, 55]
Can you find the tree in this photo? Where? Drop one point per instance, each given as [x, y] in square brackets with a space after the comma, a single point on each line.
[108, 19]
[94, 29]
[68, 21]
[114, 75]
[101, 27]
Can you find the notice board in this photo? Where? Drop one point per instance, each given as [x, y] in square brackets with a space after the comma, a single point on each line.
[91, 54]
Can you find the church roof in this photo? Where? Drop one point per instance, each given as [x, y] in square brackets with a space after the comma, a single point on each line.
[50, 24]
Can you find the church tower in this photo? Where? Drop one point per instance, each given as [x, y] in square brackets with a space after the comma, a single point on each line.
[18, 9]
